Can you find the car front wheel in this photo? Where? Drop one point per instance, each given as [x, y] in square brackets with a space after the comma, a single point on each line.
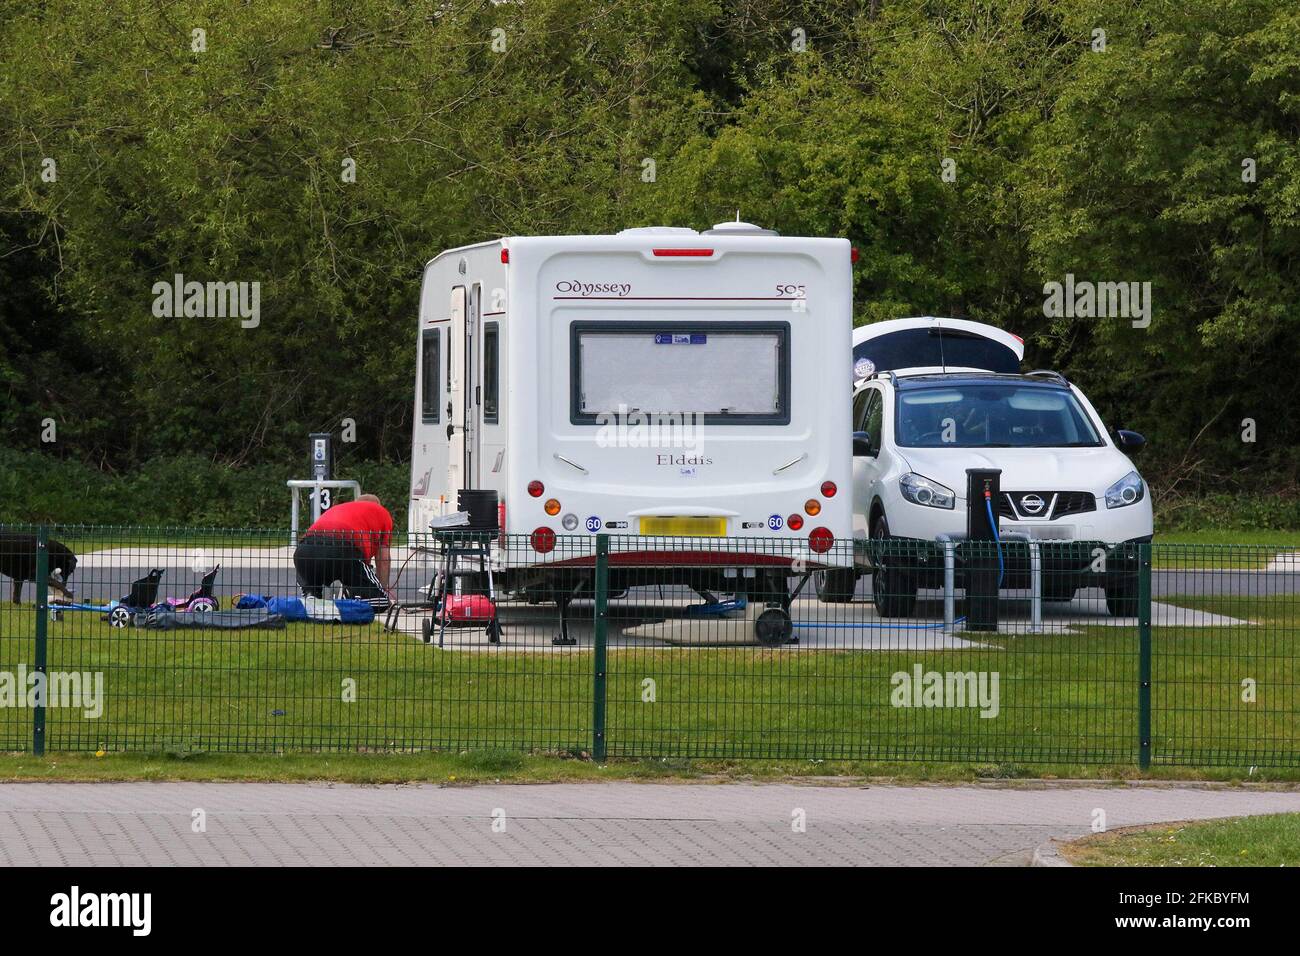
[892, 589]
[835, 585]
[1122, 596]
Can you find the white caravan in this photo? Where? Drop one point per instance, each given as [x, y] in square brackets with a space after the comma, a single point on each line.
[658, 382]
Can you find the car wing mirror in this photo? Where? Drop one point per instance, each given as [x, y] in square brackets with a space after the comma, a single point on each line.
[1129, 441]
[861, 445]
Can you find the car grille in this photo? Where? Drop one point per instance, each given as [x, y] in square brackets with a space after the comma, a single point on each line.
[1011, 504]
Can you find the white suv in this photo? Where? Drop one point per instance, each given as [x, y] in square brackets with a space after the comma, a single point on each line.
[1065, 482]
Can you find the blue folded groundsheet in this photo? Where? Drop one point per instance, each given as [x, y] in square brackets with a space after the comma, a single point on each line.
[163, 618]
[343, 611]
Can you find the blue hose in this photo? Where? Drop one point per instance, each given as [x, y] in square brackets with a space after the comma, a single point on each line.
[993, 523]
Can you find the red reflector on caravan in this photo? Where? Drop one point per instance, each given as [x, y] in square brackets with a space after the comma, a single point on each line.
[684, 252]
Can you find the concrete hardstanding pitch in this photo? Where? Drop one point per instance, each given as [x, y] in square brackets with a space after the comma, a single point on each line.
[196, 824]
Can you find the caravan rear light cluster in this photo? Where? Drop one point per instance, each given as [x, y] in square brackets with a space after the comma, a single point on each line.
[543, 540]
[829, 489]
[552, 507]
[535, 488]
[820, 541]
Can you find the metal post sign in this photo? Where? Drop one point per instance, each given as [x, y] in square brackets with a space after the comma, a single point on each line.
[322, 469]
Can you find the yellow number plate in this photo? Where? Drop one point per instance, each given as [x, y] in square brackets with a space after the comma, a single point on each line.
[685, 527]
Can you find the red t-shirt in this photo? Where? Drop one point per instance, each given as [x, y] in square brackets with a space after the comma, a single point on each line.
[367, 524]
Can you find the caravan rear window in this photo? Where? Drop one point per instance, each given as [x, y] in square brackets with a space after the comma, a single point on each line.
[733, 373]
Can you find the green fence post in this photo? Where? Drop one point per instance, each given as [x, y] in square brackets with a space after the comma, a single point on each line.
[1144, 655]
[598, 658]
[42, 621]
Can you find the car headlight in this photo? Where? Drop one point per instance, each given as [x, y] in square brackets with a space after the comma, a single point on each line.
[1129, 490]
[923, 491]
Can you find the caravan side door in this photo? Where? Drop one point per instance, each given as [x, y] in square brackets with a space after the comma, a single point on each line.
[456, 347]
[462, 400]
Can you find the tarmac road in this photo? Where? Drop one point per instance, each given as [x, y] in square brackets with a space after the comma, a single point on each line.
[107, 574]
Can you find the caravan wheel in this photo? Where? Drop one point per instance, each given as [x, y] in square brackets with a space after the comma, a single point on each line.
[773, 627]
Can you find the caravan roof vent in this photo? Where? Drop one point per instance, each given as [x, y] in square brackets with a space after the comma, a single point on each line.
[658, 231]
[739, 228]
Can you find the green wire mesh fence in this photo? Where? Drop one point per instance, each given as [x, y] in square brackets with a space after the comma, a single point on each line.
[637, 646]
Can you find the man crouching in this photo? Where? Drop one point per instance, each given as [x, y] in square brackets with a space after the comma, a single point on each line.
[341, 545]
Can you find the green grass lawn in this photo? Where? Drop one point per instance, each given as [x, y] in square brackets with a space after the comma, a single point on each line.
[1270, 840]
[1067, 702]
[1282, 540]
[494, 765]
[1251, 550]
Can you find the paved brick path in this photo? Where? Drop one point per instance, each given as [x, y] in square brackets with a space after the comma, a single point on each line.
[596, 824]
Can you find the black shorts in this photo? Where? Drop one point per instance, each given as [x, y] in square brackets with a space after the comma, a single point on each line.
[320, 560]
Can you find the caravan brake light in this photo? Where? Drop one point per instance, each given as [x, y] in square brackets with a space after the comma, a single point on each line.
[702, 253]
[820, 541]
[535, 489]
[829, 489]
[794, 522]
[505, 255]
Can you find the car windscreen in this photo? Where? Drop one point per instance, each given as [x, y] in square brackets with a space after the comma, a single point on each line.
[991, 415]
[735, 372]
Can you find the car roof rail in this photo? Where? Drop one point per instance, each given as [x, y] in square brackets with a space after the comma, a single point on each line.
[1048, 373]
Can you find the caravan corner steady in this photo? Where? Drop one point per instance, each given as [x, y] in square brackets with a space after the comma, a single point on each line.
[658, 382]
